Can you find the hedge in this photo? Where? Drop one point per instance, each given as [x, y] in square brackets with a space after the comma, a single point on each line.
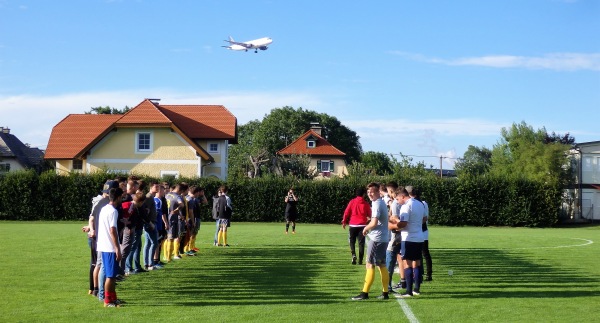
[470, 201]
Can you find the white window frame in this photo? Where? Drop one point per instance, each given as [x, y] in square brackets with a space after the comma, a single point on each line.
[137, 142]
[169, 173]
[325, 162]
[210, 146]
[311, 144]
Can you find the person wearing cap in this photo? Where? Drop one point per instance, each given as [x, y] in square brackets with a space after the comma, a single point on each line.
[98, 203]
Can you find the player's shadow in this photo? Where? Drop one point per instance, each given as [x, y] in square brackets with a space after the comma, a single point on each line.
[244, 276]
[495, 273]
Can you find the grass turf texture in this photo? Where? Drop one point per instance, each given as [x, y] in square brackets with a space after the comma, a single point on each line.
[500, 274]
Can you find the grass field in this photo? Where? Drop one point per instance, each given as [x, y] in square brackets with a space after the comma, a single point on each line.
[500, 275]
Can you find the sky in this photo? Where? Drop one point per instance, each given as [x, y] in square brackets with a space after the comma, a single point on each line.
[425, 79]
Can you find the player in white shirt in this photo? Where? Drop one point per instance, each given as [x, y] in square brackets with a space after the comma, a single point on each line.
[412, 214]
[108, 245]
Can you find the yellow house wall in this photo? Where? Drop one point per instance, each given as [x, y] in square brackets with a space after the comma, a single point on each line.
[117, 152]
[339, 165]
[121, 144]
[65, 166]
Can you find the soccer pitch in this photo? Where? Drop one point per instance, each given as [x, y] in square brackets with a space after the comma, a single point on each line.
[499, 275]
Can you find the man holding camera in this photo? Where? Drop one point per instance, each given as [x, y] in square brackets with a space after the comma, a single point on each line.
[291, 211]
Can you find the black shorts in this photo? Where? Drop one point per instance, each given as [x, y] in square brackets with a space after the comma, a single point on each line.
[413, 251]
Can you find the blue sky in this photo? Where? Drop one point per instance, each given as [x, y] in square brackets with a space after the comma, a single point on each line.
[424, 78]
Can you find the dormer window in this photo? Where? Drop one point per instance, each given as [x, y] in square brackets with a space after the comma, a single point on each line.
[311, 141]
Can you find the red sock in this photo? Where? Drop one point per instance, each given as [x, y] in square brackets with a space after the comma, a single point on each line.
[110, 297]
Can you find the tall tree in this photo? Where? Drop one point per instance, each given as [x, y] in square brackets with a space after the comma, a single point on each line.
[528, 153]
[378, 163]
[241, 155]
[475, 161]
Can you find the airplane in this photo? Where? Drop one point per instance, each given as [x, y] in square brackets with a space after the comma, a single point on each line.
[256, 44]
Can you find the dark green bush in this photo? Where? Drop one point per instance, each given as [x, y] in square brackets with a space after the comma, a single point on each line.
[472, 201]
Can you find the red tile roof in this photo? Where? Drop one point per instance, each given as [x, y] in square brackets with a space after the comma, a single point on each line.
[299, 147]
[203, 121]
[77, 133]
[71, 136]
[145, 113]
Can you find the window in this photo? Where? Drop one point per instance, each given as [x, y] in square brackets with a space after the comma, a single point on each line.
[587, 164]
[324, 166]
[311, 144]
[213, 148]
[4, 167]
[77, 164]
[164, 174]
[143, 142]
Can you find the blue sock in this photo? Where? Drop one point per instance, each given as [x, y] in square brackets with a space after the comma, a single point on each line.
[416, 272]
[408, 275]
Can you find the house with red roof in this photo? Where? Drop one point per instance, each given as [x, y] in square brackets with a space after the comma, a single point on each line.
[150, 139]
[324, 157]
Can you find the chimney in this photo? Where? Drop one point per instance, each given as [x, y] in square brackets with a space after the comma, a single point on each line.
[5, 129]
[316, 127]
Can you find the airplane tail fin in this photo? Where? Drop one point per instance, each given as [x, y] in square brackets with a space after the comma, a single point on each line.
[231, 39]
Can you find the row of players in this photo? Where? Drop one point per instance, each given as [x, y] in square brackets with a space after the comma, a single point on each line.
[168, 217]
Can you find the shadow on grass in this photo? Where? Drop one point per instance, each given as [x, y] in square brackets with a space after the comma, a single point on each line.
[500, 274]
[245, 276]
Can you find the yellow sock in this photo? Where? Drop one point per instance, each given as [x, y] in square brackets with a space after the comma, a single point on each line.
[224, 237]
[186, 246]
[193, 242]
[385, 278]
[176, 248]
[369, 278]
[219, 237]
[167, 249]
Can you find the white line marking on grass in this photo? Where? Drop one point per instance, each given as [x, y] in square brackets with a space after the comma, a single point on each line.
[587, 243]
[407, 311]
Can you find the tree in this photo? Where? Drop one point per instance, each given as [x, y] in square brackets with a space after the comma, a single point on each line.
[247, 149]
[283, 125]
[405, 167]
[475, 161]
[379, 163]
[107, 110]
[259, 141]
[296, 166]
[533, 154]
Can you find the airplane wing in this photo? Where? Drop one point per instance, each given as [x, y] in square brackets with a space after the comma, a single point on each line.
[233, 42]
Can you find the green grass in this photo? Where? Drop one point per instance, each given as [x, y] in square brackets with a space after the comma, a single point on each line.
[500, 274]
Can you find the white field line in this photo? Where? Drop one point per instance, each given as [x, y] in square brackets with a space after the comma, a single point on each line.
[587, 243]
[407, 311]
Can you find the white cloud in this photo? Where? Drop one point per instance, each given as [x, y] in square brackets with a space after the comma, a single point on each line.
[553, 61]
[31, 118]
[446, 127]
